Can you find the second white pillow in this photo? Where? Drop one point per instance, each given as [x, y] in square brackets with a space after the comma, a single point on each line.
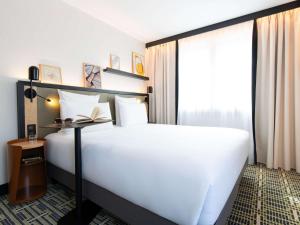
[118, 101]
[132, 114]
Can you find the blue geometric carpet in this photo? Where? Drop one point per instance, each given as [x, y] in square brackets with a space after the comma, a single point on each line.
[266, 197]
[47, 210]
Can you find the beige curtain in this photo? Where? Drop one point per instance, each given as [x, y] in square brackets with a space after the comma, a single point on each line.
[278, 91]
[160, 66]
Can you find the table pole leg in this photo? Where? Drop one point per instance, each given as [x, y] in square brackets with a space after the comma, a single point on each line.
[85, 211]
[78, 173]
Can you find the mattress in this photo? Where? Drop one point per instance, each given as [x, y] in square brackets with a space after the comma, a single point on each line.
[182, 173]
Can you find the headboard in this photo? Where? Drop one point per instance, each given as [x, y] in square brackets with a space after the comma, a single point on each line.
[41, 112]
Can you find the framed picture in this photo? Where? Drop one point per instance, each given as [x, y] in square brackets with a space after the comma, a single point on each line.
[138, 63]
[114, 62]
[91, 75]
[50, 74]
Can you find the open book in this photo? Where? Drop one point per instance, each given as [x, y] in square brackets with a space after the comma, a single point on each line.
[95, 117]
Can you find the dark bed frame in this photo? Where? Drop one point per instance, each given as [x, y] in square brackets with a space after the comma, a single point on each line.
[119, 207]
[125, 210]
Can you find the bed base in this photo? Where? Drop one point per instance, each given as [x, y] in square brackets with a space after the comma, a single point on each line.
[123, 209]
[225, 213]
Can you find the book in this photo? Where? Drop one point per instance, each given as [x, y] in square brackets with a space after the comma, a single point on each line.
[32, 160]
[94, 118]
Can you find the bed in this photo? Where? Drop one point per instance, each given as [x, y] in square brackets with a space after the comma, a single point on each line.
[147, 174]
[184, 174]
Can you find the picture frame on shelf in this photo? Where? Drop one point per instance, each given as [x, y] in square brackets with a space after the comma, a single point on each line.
[114, 62]
[92, 75]
[50, 74]
[138, 64]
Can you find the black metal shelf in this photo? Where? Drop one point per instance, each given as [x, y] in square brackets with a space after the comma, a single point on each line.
[126, 74]
[23, 83]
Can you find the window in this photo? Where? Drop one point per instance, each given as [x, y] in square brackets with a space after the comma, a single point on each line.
[215, 78]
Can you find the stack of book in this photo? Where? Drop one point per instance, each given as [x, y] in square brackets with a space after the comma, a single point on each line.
[32, 160]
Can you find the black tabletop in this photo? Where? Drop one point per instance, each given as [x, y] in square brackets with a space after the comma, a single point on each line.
[73, 125]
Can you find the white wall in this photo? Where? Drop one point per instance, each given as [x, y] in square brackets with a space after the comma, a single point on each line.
[52, 32]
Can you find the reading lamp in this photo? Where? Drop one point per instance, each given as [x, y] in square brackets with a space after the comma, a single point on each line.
[150, 89]
[33, 74]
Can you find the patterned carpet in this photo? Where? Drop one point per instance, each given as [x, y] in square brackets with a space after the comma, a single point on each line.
[265, 197]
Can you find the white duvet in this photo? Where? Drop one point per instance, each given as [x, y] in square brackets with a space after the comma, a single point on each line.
[182, 173]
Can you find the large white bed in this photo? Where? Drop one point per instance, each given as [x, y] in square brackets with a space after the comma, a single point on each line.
[181, 173]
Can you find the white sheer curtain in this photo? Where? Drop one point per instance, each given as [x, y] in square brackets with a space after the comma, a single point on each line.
[160, 66]
[215, 79]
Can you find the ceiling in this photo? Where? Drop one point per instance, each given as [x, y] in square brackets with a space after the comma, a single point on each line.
[150, 20]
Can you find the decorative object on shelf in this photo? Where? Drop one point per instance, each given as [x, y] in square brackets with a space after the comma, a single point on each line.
[31, 132]
[92, 75]
[27, 170]
[50, 74]
[114, 62]
[138, 64]
[124, 73]
[33, 74]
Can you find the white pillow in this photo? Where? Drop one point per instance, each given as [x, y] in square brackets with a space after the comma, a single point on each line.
[72, 97]
[132, 114]
[71, 109]
[119, 100]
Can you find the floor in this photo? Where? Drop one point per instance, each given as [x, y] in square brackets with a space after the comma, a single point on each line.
[265, 197]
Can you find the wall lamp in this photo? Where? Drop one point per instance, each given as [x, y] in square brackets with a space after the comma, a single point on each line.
[33, 74]
[150, 89]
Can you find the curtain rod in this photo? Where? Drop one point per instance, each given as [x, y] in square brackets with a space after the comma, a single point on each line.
[241, 19]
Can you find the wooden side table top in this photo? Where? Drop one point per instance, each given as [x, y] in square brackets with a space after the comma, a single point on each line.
[74, 124]
[25, 144]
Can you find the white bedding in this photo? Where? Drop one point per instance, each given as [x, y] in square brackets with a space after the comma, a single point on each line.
[182, 173]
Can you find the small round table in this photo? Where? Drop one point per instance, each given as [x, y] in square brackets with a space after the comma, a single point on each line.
[27, 170]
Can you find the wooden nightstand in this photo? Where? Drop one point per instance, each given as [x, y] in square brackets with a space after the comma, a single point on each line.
[27, 170]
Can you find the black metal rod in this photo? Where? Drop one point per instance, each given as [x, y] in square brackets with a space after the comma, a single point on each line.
[31, 94]
[124, 73]
[241, 19]
[76, 88]
[78, 173]
[253, 83]
[21, 110]
[176, 81]
[47, 99]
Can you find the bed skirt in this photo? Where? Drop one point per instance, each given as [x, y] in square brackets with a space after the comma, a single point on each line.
[125, 210]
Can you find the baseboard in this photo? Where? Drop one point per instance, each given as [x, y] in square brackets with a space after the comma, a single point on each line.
[3, 189]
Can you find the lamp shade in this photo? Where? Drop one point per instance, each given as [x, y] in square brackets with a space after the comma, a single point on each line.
[33, 73]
